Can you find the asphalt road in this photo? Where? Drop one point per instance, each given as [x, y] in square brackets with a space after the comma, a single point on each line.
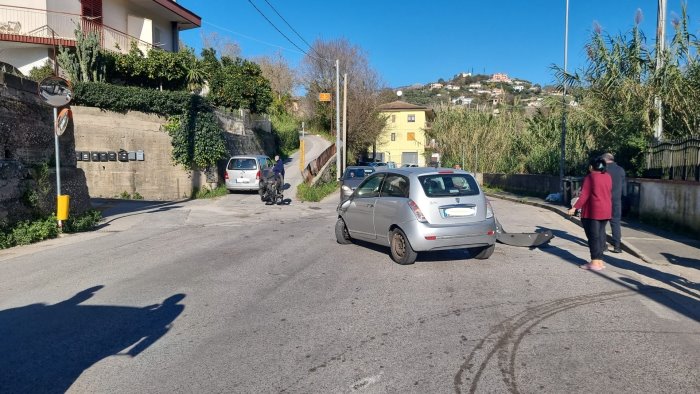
[230, 295]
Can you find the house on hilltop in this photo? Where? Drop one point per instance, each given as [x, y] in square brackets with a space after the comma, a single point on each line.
[31, 30]
[403, 138]
[500, 78]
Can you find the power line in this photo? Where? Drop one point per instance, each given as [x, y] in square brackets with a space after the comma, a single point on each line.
[249, 37]
[273, 25]
[290, 26]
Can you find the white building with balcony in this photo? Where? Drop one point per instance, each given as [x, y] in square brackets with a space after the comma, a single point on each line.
[30, 30]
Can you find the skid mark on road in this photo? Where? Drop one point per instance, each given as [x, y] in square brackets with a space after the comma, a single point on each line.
[507, 336]
[371, 338]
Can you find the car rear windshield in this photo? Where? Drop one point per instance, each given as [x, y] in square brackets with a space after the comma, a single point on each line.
[242, 164]
[448, 185]
[358, 173]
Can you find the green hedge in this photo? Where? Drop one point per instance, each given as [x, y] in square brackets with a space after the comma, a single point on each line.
[128, 98]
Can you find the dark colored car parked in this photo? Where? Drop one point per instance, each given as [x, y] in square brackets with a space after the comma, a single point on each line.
[352, 177]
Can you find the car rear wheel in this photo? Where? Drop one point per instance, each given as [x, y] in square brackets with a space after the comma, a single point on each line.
[341, 232]
[483, 252]
[401, 250]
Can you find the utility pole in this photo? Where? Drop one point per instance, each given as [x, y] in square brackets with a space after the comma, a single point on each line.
[562, 162]
[337, 119]
[660, 47]
[302, 148]
[345, 121]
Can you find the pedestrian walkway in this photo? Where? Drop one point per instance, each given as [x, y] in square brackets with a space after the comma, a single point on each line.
[651, 244]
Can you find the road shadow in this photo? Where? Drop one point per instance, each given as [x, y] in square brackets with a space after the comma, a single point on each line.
[686, 306]
[677, 282]
[685, 301]
[684, 261]
[427, 257]
[565, 235]
[113, 209]
[44, 348]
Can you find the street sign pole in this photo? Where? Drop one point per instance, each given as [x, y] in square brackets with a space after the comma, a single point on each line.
[57, 92]
[58, 155]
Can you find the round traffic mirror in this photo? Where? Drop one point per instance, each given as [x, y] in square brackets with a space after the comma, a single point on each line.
[55, 91]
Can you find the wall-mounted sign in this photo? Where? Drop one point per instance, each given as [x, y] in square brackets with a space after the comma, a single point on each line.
[324, 97]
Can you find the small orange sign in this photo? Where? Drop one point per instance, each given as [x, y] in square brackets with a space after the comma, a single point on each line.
[324, 97]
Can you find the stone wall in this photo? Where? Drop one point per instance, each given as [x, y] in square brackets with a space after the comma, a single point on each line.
[155, 177]
[26, 142]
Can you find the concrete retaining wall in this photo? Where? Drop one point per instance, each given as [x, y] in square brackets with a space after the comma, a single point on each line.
[671, 201]
[156, 177]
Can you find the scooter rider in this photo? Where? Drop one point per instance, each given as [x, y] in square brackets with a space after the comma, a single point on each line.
[278, 170]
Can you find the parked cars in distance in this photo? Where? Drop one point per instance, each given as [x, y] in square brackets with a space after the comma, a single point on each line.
[244, 172]
[410, 165]
[353, 176]
[419, 209]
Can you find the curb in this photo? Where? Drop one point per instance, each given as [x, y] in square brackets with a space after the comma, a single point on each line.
[626, 246]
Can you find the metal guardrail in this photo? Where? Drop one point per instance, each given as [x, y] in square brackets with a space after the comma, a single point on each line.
[53, 25]
[678, 160]
[315, 166]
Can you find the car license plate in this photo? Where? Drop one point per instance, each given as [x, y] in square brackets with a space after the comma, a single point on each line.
[242, 180]
[460, 212]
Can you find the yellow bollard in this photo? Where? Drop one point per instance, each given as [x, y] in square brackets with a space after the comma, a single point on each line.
[62, 207]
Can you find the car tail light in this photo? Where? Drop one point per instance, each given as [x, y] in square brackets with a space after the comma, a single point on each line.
[490, 232]
[430, 237]
[225, 174]
[489, 210]
[257, 176]
[446, 172]
[416, 211]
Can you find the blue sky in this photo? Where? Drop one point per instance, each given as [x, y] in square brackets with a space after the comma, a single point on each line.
[409, 41]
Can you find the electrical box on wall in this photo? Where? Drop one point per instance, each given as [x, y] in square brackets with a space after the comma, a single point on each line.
[112, 156]
[139, 155]
[103, 156]
[95, 156]
[86, 156]
[132, 155]
[78, 155]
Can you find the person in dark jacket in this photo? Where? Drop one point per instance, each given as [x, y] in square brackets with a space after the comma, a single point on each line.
[278, 170]
[619, 189]
[595, 203]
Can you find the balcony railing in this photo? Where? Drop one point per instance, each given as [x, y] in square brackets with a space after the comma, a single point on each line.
[49, 27]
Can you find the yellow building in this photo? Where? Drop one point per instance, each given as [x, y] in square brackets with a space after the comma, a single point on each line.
[403, 140]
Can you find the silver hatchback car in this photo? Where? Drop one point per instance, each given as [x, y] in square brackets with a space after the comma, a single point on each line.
[244, 172]
[413, 209]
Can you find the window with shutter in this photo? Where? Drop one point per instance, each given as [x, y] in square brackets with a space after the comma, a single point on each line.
[92, 9]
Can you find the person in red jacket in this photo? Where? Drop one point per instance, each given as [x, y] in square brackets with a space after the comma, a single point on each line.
[595, 203]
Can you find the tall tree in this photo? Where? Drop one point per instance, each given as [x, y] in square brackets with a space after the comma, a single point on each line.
[222, 44]
[364, 123]
[281, 76]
